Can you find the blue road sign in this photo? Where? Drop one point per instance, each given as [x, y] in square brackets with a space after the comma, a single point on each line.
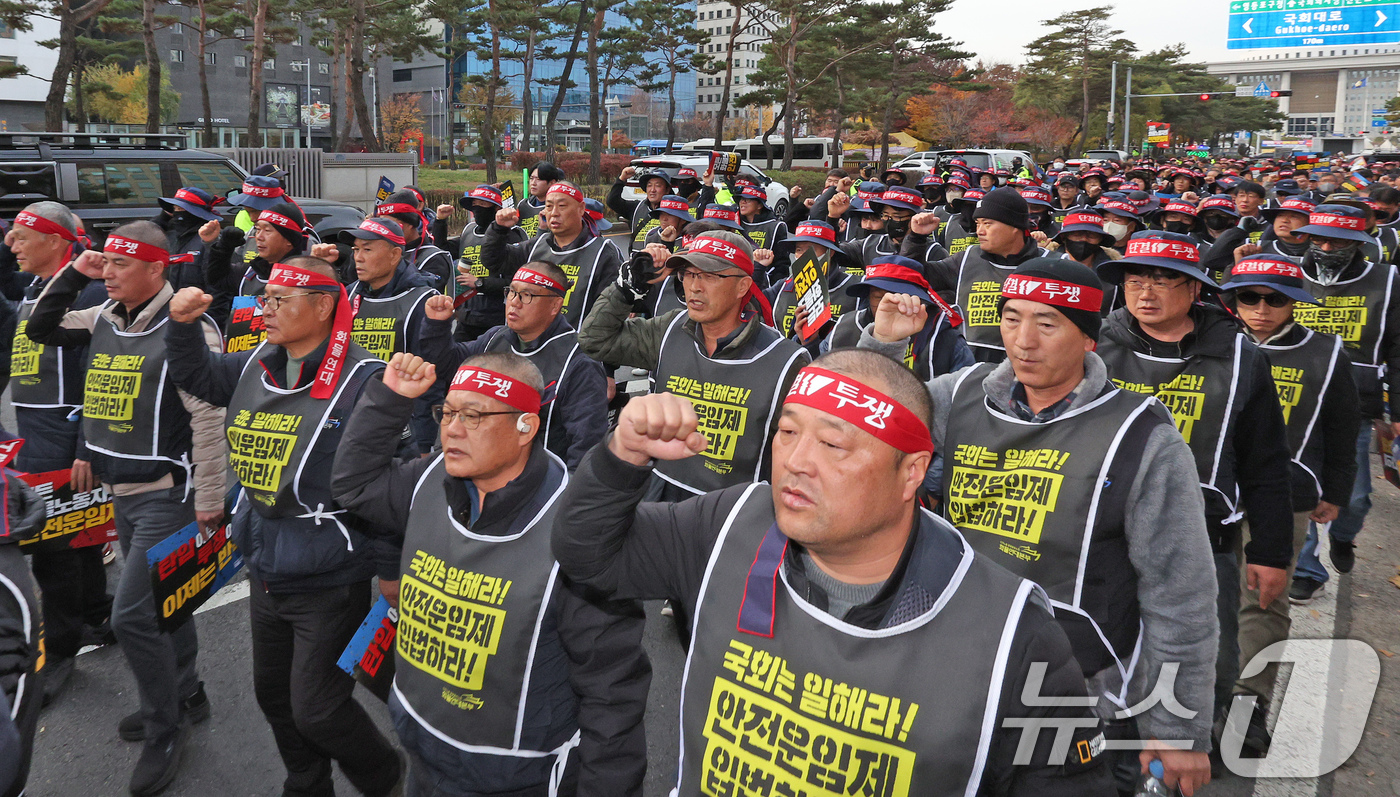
[1262, 90]
[1378, 123]
[1312, 23]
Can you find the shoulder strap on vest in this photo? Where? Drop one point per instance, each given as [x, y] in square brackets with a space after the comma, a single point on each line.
[1125, 465]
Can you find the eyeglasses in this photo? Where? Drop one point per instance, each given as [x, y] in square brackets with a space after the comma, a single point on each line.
[888, 217]
[1162, 284]
[471, 419]
[705, 277]
[526, 298]
[1252, 298]
[274, 303]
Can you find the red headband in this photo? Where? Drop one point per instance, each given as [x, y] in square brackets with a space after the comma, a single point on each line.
[868, 195]
[861, 406]
[187, 195]
[1124, 207]
[370, 225]
[517, 394]
[686, 172]
[1297, 206]
[262, 191]
[1162, 247]
[714, 212]
[1270, 267]
[395, 207]
[533, 277]
[278, 220]
[329, 375]
[1055, 292]
[1180, 207]
[731, 254]
[1337, 221]
[822, 231]
[43, 225]
[117, 245]
[901, 273]
[1091, 219]
[566, 190]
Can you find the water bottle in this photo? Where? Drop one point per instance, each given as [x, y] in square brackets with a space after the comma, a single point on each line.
[1152, 785]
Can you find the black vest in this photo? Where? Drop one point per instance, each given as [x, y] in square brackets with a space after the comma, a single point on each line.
[583, 267]
[274, 432]
[244, 329]
[529, 218]
[763, 234]
[1353, 310]
[667, 297]
[956, 238]
[554, 358]
[382, 325]
[471, 608]
[822, 707]
[133, 418]
[978, 294]
[642, 223]
[40, 374]
[1204, 396]
[736, 400]
[1047, 501]
[1303, 373]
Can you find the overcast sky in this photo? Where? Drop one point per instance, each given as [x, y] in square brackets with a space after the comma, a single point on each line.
[999, 30]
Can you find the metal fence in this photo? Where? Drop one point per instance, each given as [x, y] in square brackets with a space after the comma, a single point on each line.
[303, 166]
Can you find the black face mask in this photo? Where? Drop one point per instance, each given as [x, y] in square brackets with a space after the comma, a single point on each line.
[1080, 250]
[1218, 222]
[483, 216]
[185, 219]
[1182, 227]
[896, 229]
[966, 215]
[857, 230]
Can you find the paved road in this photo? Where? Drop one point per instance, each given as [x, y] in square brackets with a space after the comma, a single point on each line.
[78, 752]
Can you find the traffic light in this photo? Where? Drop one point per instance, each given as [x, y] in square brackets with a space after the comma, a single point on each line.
[1205, 97]
[1273, 95]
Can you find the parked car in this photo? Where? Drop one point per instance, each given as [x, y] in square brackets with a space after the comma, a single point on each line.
[1115, 155]
[982, 158]
[918, 160]
[672, 162]
[109, 179]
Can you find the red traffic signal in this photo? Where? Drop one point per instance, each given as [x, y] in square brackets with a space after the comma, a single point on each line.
[1273, 95]
[1205, 97]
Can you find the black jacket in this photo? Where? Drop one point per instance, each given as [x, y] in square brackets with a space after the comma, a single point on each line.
[606, 538]
[942, 275]
[1260, 441]
[609, 672]
[294, 561]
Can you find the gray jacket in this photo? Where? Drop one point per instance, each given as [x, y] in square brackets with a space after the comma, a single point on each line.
[1164, 523]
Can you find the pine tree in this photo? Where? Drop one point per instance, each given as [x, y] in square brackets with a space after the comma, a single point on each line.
[1072, 62]
[674, 41]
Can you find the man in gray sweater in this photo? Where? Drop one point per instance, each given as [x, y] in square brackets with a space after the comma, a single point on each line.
[1089, 490]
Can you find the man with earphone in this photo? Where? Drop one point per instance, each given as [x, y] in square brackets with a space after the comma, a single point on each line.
[509, 678]
[309, 562]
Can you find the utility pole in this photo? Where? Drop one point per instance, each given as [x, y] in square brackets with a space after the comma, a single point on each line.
[1112, 108]
[307, 64]
[1128, 113]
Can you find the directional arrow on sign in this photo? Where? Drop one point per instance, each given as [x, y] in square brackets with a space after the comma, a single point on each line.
[1380, 19]
[1250, 21]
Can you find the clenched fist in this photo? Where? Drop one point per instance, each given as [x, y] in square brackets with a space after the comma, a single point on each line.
[444, 211]
[209, 232]
[627, 173]
[924, 223]
[839, 203]
[90, 264]
[899, 316]
[507, 217]
[188, 304]
[326, 252]
[409, 375]
[438, 307]
[763, 257]
[656, 426]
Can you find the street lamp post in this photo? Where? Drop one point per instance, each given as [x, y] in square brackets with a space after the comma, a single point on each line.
[307, 64]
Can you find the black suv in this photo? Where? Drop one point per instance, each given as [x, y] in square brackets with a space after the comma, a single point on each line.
[109, 179]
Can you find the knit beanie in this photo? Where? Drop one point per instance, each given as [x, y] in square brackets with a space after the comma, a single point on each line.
[1006, 206]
